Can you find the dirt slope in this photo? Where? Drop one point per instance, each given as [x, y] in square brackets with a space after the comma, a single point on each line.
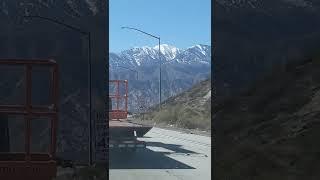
[190, 109]
[272, 131]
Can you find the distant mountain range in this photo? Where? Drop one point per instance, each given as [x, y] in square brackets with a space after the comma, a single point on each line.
[181, 68]
[148, 56]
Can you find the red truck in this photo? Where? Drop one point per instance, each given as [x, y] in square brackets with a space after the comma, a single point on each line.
[123, 134]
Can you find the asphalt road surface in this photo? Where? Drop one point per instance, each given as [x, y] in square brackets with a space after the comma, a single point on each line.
[170, 155]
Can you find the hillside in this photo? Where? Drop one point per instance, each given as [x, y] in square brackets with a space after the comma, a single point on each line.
[190, 109]
[255, 36]
[271, 131]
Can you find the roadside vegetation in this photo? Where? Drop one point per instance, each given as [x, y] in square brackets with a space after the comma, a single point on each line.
[190, 109]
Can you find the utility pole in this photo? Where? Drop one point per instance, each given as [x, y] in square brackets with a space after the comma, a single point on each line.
[159, 41]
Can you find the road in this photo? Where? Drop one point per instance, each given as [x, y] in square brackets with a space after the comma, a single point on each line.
[170, 155]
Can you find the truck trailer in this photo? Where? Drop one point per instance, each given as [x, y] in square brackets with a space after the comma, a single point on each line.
[123, 134]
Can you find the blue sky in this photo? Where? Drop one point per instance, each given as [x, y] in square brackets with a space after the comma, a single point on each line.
[182, 23]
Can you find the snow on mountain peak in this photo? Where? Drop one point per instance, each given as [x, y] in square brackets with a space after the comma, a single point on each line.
[201, 48]
[145, 55]
[198, 46]
[167, 50]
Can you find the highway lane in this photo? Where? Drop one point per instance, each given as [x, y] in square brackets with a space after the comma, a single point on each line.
[170, 155]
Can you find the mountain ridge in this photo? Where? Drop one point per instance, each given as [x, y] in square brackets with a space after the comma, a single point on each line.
[139, 56]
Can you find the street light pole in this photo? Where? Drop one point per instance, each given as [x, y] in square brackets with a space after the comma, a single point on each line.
[88, 34]
[160, 77]
[159, 58]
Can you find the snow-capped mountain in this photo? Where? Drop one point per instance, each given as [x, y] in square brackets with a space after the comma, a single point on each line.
[170, 52]
[195, 54]
[148, 56]
[181, 68]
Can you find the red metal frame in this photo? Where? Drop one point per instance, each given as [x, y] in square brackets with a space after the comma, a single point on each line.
[119, 113]
[32, 165]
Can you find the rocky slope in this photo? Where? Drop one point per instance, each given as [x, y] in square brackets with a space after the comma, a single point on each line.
[253, 37]
[190, 109]
[181, 68]
[270, 131]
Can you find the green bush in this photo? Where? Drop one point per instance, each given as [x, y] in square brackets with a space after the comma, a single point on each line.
[192, 119]
[168, 115]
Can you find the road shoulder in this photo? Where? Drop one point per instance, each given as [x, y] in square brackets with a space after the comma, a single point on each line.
[171, 127]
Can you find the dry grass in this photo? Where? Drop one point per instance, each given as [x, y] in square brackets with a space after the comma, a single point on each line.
[190, 109]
